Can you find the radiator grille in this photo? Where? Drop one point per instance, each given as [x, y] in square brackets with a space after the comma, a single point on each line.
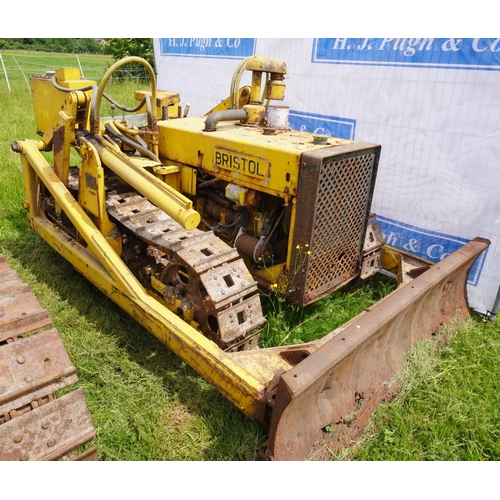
[333, 207]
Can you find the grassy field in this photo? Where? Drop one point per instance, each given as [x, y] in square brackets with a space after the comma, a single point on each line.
[147, 404]
[20, 65]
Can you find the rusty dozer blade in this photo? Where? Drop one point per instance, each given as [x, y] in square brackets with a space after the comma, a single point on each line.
[341, 383]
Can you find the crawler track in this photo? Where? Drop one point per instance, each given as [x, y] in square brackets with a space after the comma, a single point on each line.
[34, 425]
[202, 274]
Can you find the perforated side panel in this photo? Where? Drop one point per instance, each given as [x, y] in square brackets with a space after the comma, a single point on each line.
[333, 207]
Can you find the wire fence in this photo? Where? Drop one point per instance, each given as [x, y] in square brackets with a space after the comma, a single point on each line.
[16, 69]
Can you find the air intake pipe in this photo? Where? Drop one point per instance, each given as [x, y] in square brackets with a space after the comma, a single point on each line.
[226, 115]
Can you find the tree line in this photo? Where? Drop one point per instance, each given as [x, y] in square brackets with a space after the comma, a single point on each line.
[67, 45]
[118, 48]
[115, 47]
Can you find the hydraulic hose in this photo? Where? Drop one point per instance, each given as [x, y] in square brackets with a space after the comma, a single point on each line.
[95, 113]
[131, 143]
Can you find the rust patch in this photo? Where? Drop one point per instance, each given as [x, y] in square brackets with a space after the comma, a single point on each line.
[20, 312]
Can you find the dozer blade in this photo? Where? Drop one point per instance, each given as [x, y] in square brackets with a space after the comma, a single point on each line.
[341, 383]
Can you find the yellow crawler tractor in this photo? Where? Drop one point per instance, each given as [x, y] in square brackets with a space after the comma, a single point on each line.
[181, 220]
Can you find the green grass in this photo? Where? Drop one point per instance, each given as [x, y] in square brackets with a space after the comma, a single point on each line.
[291, 324]
[147, 404]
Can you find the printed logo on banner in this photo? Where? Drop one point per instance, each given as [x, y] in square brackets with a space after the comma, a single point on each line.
[224, 48]
[426, 244]
[451, 53]
[321, 124]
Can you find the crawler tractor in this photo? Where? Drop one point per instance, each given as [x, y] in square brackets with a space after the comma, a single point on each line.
[181, 220]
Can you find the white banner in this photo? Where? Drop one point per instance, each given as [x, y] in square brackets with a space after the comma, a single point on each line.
[432, 103]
